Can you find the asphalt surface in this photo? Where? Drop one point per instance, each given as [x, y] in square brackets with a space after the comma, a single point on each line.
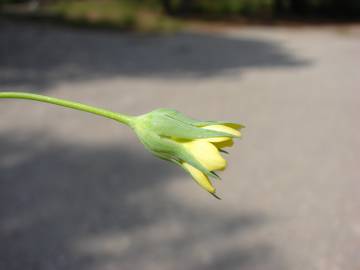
[80, 192]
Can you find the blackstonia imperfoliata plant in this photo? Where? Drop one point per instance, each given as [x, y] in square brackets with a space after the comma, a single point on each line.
[194, 145]
[168, 134]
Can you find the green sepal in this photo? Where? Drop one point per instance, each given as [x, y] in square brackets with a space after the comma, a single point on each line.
[181, 117]
[166, 148]
[186, 156]
[170, 123]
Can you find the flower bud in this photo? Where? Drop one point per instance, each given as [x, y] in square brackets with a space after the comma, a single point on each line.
[194, 145]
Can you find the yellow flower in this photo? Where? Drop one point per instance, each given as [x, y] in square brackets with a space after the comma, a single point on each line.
[207, 152]
[194, 145]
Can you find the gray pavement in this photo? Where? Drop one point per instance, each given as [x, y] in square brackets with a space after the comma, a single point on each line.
[80, 192]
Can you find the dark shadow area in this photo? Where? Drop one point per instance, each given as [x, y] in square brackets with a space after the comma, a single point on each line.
[71, 207]
[36, 56]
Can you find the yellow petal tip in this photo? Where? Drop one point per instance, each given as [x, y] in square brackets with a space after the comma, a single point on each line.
[223, 128]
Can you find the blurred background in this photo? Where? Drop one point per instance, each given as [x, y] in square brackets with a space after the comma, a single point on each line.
[80, 192]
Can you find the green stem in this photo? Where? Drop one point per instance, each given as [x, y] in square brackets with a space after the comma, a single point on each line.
[125, 119]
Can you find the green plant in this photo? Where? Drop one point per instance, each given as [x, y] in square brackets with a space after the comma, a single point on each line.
[194, 145]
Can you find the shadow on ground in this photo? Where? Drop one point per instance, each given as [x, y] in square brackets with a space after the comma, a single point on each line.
[37, 56]
[75, 207]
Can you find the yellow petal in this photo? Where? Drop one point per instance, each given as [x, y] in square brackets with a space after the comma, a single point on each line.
[199, 177]
[223, 144]
[223, 128]
[215, 139]
[234, 125]
[207, 154]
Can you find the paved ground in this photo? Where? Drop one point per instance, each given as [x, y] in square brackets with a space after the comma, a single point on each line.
[79, 192]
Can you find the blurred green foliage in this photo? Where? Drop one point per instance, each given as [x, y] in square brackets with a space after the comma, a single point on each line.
[163, 15]
[220, 8]
[138, 15]
[265, 8]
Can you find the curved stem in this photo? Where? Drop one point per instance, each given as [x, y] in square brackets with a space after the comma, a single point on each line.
[125, 119]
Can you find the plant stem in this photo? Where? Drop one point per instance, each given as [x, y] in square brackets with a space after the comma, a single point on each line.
[125, 119]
